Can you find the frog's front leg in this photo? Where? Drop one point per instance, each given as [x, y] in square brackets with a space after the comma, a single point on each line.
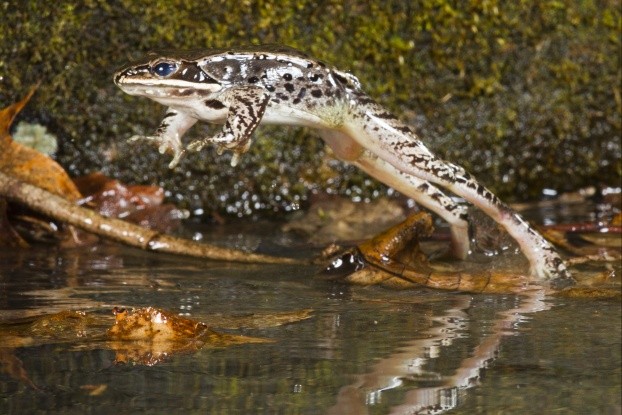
[168, 135]
[246, 106]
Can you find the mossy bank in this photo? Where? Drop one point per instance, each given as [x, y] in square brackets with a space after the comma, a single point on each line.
[525, 95]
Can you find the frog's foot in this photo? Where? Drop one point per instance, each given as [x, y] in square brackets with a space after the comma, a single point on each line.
[551, 268]
[165, 145]
[223, 142]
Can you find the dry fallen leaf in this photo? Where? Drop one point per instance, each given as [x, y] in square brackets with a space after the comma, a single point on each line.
[137, 204]
[30, 165]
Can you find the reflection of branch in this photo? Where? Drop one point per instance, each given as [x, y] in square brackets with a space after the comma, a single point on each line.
[410, 360]
[62, 210]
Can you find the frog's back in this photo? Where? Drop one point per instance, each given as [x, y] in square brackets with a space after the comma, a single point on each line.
[284, 71]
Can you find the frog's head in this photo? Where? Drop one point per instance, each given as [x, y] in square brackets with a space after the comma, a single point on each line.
[165, 77]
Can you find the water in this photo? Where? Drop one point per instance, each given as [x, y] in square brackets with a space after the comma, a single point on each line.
[365, 351]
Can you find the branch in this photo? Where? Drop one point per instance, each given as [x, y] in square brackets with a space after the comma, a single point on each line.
[62, 210]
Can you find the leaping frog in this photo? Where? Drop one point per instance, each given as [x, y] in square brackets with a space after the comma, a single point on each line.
[244, 87]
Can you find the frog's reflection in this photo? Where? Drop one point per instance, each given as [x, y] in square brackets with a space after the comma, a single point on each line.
[410, 363]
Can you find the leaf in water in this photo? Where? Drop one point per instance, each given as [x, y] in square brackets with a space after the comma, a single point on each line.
[149, 335]
[64, 325]
[592, 293]
[260, 320]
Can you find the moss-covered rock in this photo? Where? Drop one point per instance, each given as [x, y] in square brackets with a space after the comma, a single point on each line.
[525, 95]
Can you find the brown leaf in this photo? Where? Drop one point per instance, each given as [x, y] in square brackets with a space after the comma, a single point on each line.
[137, 204]
[30, 165]
[149, 335]
[259, 320]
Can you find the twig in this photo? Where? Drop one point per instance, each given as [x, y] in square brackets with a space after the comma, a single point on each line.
[62, 210]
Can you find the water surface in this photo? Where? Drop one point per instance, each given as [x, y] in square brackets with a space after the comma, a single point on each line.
[366, 350]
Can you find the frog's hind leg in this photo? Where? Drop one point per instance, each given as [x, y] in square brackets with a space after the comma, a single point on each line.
[399, 146]
[425, 194]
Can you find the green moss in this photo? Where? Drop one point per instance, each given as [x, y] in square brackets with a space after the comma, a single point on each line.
[522, 94]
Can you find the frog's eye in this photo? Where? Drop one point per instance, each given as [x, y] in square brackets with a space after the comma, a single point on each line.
[164, 69]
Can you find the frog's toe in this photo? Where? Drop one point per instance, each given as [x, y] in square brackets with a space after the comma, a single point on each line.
[176, 159]
[136, 138]
[555, 273]
[197, 145]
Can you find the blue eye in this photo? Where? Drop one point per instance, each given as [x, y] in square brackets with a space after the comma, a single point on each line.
[164, 69]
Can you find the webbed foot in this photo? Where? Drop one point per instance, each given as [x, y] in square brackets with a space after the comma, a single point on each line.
[223, 142]
[553, 270]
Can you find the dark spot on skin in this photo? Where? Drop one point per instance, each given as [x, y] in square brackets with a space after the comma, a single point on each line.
[289, 87]
[340, 78]
[276, 101]
[436, 196]
[270, 88]
[316, 93]
[170, 114]
[365, 100]
[302, 93]
[215, 104]
[185, 92]
[296, 101]
[423, 187]
[282, 96]
[328, 92]
[288, 76]
[300, 78]
[315, 77]
[253, 80]
[385, 115]
[322, 64]
[405, 129]
[309, 65]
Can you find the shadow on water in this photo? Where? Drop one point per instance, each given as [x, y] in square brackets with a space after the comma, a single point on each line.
[365, 351]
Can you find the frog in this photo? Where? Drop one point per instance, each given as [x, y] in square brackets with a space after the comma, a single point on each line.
[243, 87]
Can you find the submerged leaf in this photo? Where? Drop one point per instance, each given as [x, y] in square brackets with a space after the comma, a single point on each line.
[150, 335]
[260, 320]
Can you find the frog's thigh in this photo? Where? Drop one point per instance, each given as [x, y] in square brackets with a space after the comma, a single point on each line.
[425, 194]
[415, 159]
